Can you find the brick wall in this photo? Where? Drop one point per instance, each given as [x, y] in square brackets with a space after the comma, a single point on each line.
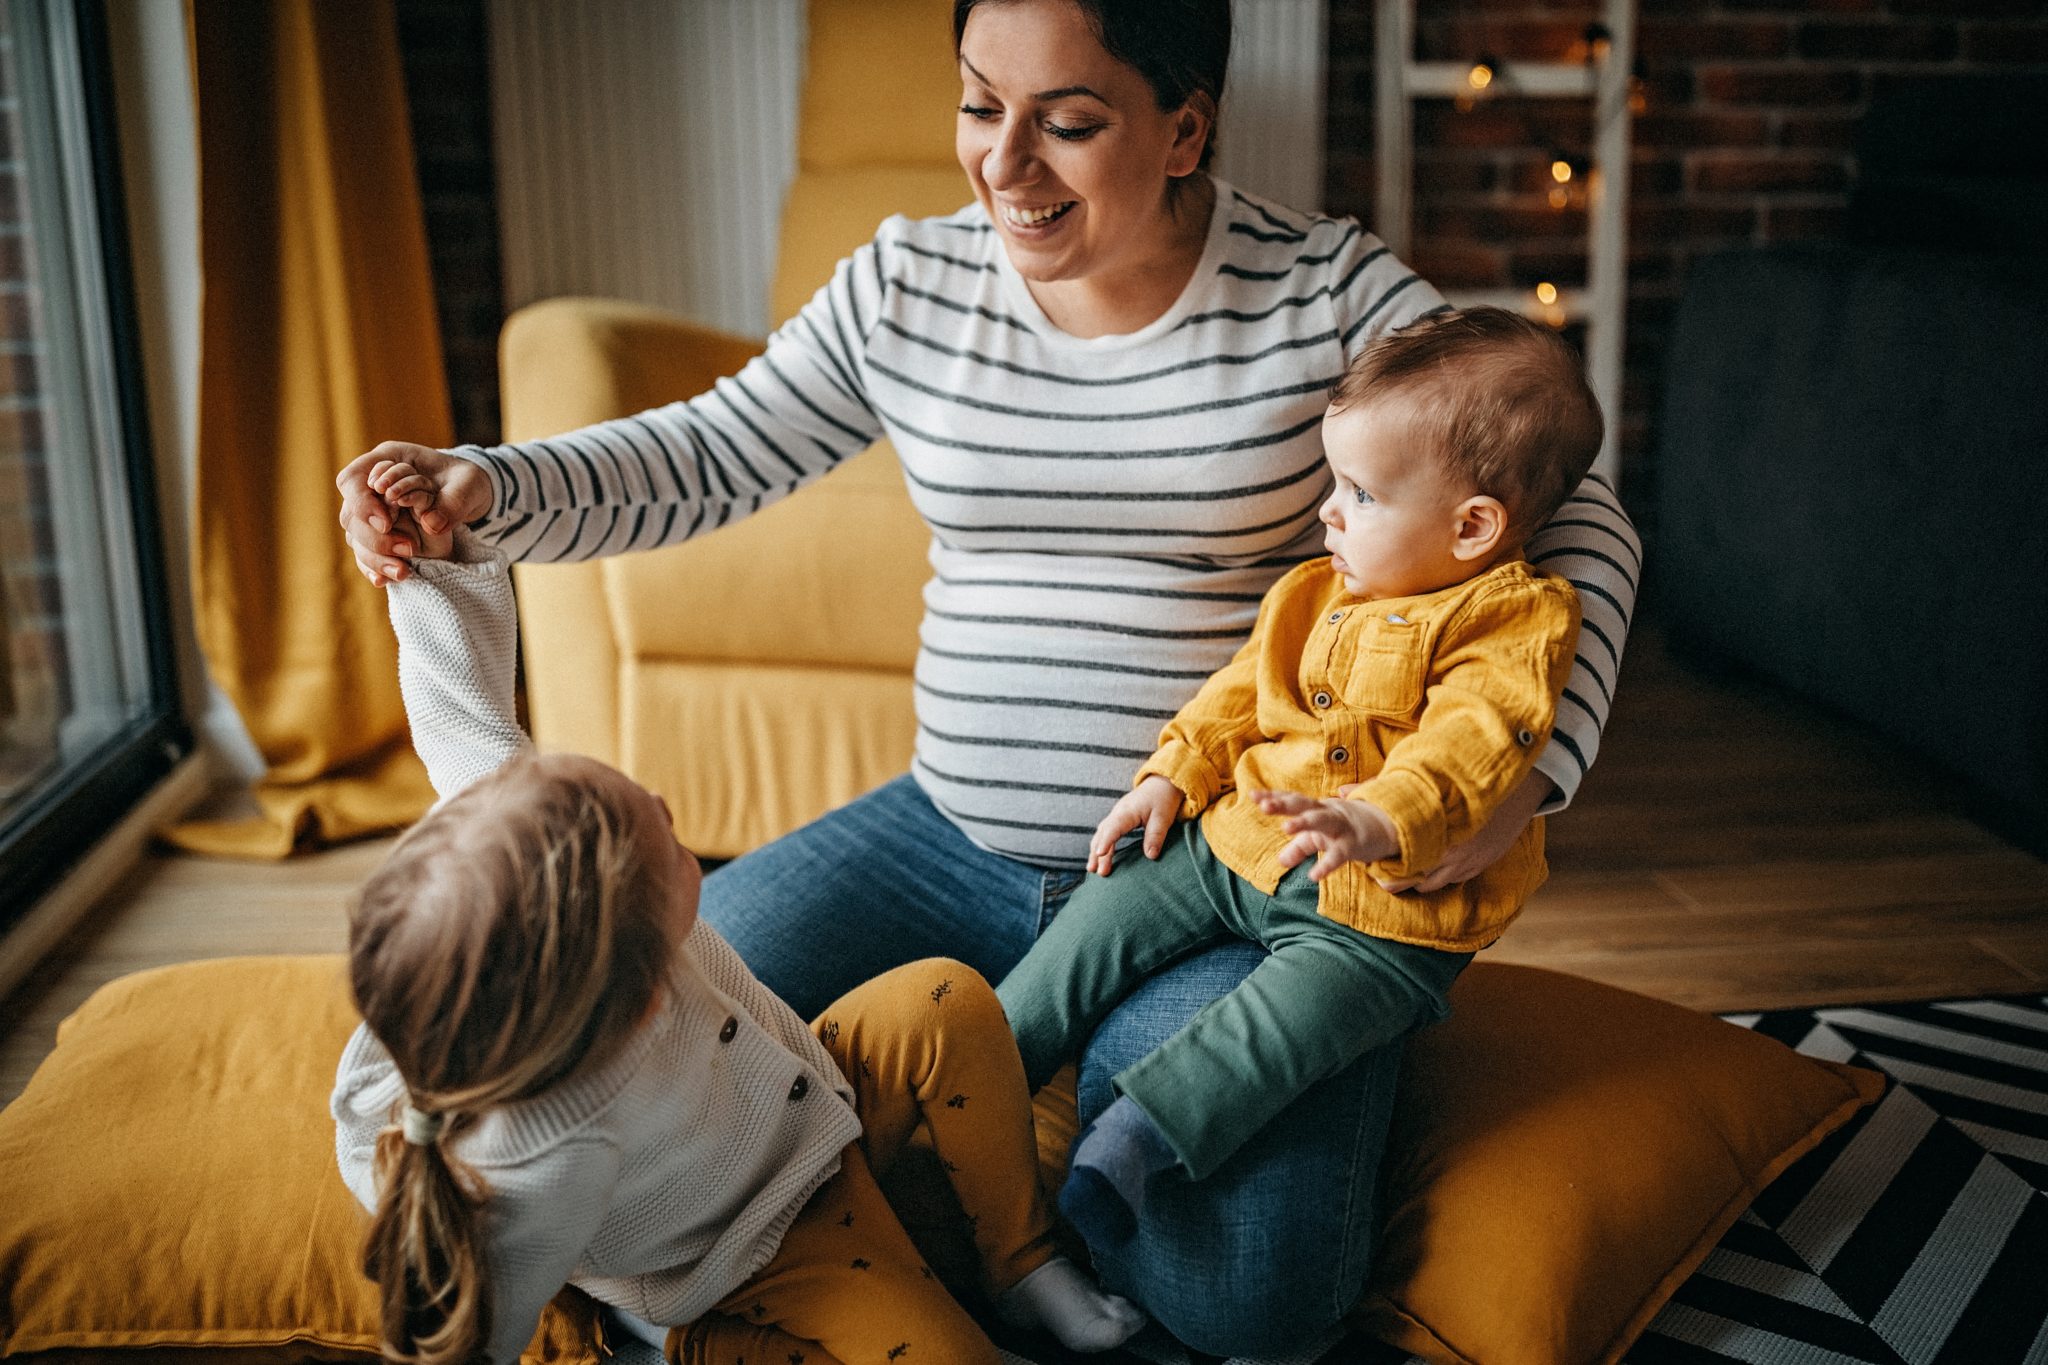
[1744, 136]
[34, 688]
[446, 52]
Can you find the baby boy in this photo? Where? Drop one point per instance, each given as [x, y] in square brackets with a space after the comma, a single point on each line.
[1389, 698]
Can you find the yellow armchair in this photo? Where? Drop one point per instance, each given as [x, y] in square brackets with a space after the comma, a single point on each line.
[759, 676]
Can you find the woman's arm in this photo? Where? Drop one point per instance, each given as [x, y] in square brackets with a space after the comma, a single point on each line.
[660, 476]
[664, 475]
[1591, 542]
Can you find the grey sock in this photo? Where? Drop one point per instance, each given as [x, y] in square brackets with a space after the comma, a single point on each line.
[1114, 1158]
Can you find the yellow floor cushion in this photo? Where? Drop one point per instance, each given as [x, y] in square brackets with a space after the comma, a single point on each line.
[170, 1180]
[1565, 1154]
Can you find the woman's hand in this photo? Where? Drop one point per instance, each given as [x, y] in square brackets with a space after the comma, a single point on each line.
[441, 492]
[1154, 803]
[1335, 830]
[1462, 862]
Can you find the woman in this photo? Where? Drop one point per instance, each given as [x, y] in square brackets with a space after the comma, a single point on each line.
[1105, 380]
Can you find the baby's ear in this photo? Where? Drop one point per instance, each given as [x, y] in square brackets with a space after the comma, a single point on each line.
[1482, 528]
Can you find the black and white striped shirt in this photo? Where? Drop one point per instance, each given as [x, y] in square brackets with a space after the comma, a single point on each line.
[1106, 513]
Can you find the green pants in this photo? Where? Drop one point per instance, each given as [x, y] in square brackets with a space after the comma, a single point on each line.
[1325, 996]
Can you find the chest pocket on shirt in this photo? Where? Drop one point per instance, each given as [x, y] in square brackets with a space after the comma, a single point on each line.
[1385, 674]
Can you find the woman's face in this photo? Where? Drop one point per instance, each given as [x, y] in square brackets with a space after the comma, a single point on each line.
[1065, 146]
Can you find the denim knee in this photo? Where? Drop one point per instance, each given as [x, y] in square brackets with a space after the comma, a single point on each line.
[1273, 1249]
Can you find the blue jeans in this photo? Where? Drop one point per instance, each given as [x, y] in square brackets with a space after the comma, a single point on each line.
[1261, 1257]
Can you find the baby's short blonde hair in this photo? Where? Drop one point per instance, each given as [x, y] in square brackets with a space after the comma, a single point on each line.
[1500, 401]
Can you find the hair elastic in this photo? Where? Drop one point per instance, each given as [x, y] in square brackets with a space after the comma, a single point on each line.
[421, 1128]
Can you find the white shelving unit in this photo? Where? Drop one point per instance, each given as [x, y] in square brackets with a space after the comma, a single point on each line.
[1400, 80]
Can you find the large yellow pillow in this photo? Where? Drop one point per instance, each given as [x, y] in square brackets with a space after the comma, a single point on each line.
[169, 1179]
[1564, 1154]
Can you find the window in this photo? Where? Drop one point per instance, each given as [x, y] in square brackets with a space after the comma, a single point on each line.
[88, 703]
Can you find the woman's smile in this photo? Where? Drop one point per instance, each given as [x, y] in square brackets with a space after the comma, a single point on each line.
[1024, 219]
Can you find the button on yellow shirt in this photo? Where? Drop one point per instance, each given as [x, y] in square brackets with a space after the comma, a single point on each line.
[1437, 705]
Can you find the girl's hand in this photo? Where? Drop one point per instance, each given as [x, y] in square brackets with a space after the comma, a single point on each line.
[380, 537]
[1462, 862]
[1154, 803]
[403, 487]
[1336, 831]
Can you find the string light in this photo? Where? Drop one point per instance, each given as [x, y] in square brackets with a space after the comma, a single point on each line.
[1599, 42]
[1572, 179]
[1568, 179]
[1479, 79]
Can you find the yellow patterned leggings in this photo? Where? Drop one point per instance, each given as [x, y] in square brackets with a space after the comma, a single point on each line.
[924, 1044]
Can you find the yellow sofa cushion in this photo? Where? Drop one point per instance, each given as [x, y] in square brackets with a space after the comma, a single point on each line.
[1563, 1155]
[170, 1179]
[772, 588]
[736, 737]
[874, 84]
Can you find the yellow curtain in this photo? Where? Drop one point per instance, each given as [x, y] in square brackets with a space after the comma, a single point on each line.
[318, 340]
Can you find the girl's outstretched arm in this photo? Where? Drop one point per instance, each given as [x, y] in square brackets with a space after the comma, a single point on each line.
[458, 642]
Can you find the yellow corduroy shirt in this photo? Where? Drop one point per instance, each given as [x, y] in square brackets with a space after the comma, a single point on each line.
[1436, 705]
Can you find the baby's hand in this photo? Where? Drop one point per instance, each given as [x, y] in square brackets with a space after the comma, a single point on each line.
[1338, 832]
[1154, 803]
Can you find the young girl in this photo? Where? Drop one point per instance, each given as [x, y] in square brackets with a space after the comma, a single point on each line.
[563, 1077]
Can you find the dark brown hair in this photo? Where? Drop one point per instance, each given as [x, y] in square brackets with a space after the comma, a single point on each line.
[1500, 400]
[512, 936]
[1180, 47]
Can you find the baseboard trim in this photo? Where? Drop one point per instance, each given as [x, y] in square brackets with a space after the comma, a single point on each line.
[72, 901]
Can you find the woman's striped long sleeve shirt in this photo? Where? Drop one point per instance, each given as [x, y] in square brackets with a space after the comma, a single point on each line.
[1105, 513]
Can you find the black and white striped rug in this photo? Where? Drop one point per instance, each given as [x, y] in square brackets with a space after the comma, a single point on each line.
[1916, 1235]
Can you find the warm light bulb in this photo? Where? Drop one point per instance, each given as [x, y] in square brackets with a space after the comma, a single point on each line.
[1480, 76]
[1559, 196]
[1546, 293]
[1561, 171]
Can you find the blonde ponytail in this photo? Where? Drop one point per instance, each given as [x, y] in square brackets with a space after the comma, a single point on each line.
[512, 937]
[426, 1252]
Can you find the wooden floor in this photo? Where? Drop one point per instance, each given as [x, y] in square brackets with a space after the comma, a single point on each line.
[1733, 849]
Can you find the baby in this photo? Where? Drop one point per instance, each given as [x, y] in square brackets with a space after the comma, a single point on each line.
[1389, 698]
